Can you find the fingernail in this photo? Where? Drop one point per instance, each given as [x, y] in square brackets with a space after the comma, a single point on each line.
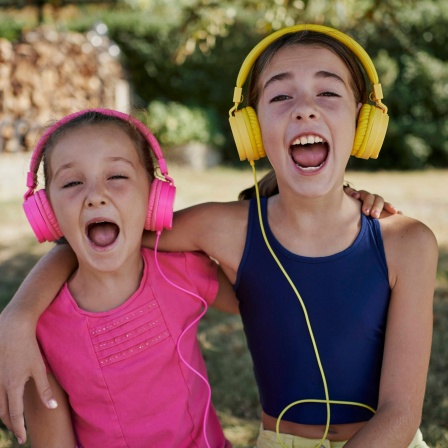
[375, 213]
[19, 440]
[355, 195]
[367, 210]
[52, 404]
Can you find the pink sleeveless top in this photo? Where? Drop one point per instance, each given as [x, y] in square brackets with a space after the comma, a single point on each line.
[126, 382]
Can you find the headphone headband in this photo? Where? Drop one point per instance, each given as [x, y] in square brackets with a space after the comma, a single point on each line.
[31, 182]
[346, 40]
[372, 120]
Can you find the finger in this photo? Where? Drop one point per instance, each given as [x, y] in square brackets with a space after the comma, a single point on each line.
[43, 386]
[377, 206]
[368, 200]
[351, 192]
[11, 413]
[17, 422]
[391, 209]
[4, 410]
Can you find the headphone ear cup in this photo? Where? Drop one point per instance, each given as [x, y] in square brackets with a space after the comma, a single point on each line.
[370, 132]
[247, 134]
[41, 217]
[160, 206]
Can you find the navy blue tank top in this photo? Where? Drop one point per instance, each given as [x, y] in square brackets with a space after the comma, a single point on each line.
[346, 296]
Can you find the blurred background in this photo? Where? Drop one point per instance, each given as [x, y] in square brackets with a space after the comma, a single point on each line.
[174, 64]
[177, 62]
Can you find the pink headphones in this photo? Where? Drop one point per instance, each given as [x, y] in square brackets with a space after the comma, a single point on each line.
[38, 209]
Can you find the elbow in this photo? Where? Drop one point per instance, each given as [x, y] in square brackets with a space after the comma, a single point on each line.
[406, 420]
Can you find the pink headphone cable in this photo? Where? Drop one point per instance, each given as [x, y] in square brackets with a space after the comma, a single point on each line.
[209, 392]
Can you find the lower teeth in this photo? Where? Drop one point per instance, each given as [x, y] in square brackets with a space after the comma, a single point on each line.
[308, 168]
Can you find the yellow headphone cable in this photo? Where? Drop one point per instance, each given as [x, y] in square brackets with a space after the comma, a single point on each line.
[327, 400]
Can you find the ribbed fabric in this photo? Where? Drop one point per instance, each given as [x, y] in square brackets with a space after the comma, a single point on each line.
[347, 297]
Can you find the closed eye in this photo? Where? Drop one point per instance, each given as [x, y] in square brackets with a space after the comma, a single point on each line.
[118, 176]
[279, 98]
[71, 184]
[330, 94]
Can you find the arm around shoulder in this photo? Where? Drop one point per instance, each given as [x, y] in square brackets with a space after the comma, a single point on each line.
[20, 358]
[43, 282]
[218, 229]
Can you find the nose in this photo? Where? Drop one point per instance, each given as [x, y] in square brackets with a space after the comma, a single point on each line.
[305, 109]
[95, 196]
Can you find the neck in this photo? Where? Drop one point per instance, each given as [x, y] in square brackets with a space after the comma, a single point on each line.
[314, 226]
[97, 291]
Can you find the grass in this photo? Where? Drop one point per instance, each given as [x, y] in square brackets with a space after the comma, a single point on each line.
[421, 195]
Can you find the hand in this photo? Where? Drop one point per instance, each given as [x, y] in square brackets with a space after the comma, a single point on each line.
[20, 359]
[372, 204]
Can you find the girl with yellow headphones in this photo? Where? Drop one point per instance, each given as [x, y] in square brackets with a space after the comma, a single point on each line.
[336, 306]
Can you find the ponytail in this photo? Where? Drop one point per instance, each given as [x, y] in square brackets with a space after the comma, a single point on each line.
[267, 186]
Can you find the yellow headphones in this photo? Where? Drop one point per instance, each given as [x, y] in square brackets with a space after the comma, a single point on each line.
[372, 121]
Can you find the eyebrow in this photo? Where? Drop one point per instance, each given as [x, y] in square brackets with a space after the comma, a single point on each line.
[278, 77]
[324, 74]
[121, 159]
[61, 169]
[288, 75]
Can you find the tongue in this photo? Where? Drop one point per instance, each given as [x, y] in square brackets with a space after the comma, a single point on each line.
[103, 234]
[309, 155]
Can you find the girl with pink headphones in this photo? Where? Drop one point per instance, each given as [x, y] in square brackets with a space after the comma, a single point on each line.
[119, 339]
[336, 306]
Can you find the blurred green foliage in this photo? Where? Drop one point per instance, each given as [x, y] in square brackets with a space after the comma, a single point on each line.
[177, 124]
[188, 52]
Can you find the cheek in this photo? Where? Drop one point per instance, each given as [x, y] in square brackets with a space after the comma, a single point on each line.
[267, 129]
[63, 206]
[64, 215]
[136, 203]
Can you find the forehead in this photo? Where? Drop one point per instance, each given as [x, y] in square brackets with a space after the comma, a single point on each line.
[91, 140]
[300, 58]
[94, 134]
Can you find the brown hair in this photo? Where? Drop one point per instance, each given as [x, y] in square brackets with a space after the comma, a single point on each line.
[267, 186]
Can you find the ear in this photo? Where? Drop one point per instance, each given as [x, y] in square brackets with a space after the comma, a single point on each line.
[358, 108]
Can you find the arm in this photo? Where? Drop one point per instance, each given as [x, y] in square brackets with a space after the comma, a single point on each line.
[216, 228]
[48, 429]
[411, 252]
[20, 358]
[219, 229]
[225, 300]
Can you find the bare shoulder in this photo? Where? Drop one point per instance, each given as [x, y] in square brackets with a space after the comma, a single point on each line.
[409, 244]
[402, 231]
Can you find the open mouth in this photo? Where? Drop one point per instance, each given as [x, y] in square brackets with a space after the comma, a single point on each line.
[102, 233]
[309, 152]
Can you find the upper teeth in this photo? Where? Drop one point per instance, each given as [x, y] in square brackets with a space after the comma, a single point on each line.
[307, 139]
